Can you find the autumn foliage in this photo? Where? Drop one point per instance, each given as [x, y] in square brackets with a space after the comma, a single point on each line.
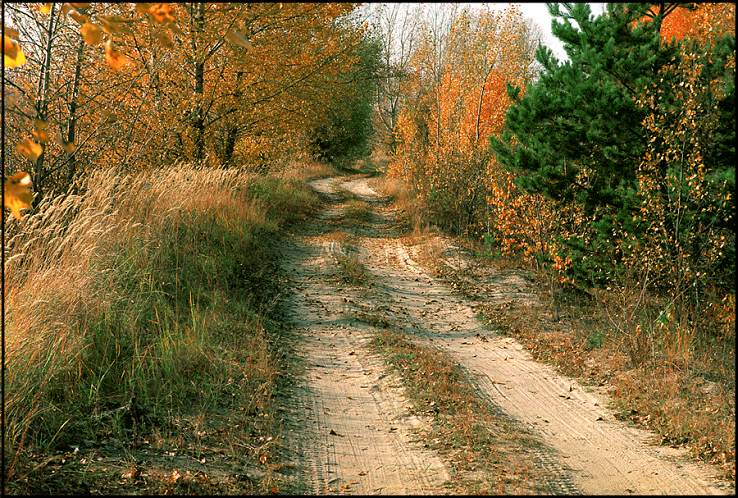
[624, 178]
[152, 152]
[699, 23]
[144, 84]
[456, 99]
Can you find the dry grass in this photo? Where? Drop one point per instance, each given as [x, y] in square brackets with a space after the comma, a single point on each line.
[488, 452]
[352, 271]
[661, 374]
[410, 209]
[307, 170]
[142, 301]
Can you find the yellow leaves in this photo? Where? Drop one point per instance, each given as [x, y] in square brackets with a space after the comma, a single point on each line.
[44, 8]
[17, 193]
[108, 117]
[10, 32]
[164, 38]
[76, 11]
[161, 13]
[30, 150]
[115, 24]
[116, 60]
[91, 33]
[237, 38]
[80, 18]
[143, 8]
[12, 53]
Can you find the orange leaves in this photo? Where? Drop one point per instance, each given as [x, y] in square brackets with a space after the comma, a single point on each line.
[443, 134]
[164, 38]
[30, 149]
[91, 33]
[705, 20]
[80, 18]
[112, 25]
[17, 193]
[115, 24]
[40, 131]
[116, 60]
[12, 53]
[161, 13]
[142, 8]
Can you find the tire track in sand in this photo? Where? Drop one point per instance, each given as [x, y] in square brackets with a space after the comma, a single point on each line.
[604, 454]
[356, 434]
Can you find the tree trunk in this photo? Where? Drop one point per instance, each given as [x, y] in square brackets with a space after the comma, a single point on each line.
[479, 104]
[198, 118]
[42, 104]
[232, 133]
[71, 157]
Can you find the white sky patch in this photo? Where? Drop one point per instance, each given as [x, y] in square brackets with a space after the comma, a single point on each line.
[537, 12]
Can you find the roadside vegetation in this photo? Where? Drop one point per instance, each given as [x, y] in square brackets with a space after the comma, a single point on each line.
[145, 351]
[156, 155]
[611, 182]
[351, 269]
[148, 306]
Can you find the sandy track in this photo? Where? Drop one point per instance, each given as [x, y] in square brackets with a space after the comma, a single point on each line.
[355, 432]
[604, 454]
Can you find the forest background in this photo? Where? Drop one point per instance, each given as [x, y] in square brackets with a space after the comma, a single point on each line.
[612, 174]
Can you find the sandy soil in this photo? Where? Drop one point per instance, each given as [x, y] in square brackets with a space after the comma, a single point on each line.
[356, 434]
[362, 436]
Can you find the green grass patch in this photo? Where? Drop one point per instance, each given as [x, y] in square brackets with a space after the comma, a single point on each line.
[287, 201]
[357, 212]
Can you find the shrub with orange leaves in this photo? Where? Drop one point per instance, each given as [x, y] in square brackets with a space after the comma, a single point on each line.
[700, 23]
[459, 101]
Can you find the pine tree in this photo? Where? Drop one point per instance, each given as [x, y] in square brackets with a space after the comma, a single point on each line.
[577, 134]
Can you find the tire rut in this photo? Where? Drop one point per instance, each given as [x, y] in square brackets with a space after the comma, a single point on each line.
[604, 454]
[353, 430]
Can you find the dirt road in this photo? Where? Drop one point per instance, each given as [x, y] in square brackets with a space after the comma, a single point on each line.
[359, 436]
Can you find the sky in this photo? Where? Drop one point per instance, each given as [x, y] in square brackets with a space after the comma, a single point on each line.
[538, 12]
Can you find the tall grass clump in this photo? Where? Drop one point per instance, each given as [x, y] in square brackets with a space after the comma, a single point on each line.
[144, 297]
